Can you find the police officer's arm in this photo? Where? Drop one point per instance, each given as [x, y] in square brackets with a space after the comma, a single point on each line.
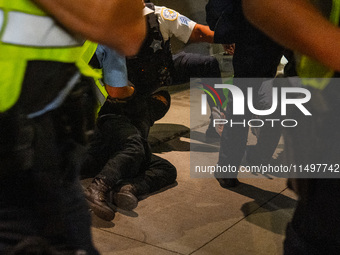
[115, 77]
[117, 23]
[297, 25]
[201, 33]
[120, 92]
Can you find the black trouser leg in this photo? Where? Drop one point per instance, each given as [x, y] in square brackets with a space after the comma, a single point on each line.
[268, 136]
[190, 65]
[234, 136]
[119, 149]
[159, 174]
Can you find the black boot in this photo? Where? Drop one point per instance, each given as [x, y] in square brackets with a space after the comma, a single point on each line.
[126, 197]
[96, 194]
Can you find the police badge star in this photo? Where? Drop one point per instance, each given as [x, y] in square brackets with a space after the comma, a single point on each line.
[156, 45]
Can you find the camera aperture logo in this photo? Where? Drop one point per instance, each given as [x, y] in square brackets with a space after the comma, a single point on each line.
[264, 115]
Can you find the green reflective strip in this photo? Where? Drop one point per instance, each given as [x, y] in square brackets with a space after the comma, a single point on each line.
[14, 52]
[212, 97]
[90, 49]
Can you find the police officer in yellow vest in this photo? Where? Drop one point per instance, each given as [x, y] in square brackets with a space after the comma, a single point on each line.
[311, 28]
[42, 117]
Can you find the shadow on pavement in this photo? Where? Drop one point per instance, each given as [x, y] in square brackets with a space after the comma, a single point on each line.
[265, 209]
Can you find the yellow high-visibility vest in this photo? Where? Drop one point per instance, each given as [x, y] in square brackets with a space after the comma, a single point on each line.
[27, 33]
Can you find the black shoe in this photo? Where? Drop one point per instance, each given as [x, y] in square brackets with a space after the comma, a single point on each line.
[126, 198]
[228, 182]
[95, 195]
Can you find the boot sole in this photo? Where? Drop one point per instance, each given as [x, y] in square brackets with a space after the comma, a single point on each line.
[125, 201]
[101, 212]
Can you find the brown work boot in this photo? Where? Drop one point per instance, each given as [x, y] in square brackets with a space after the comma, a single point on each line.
[126, 198]
[95, 195]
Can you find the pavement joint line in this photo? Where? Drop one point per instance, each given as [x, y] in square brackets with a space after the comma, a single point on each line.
[176, 135]
[224, 231]
[174, 89]
[167, 139]
[162, 248]
[199, 126]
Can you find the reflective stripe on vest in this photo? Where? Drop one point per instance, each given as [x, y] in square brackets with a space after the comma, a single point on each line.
[35, 31]
[310, 68]
[100, 90]
[2, 18]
